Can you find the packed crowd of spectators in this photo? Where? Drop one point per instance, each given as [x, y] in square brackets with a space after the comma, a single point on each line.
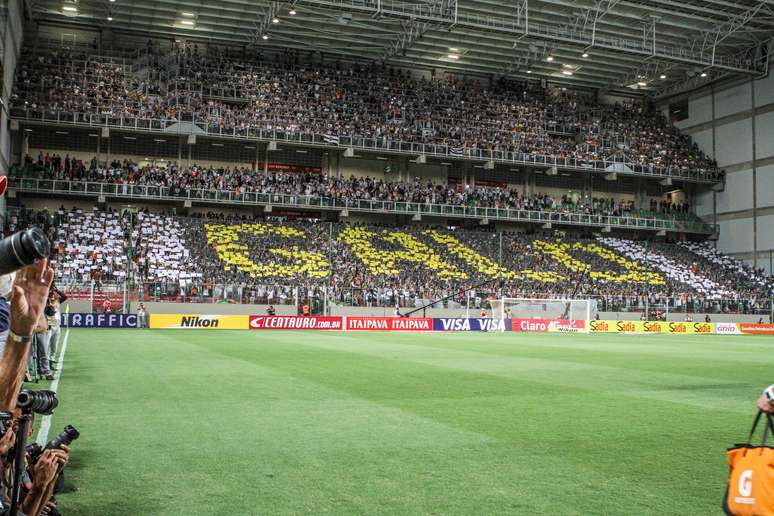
[180, 181]
[211, 256]
[358, 100]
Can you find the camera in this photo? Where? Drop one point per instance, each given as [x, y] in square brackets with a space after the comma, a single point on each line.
[65, 437]
[23, 248]
[40, 402]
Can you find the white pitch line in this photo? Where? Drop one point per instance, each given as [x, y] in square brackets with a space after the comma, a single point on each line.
[45, 424]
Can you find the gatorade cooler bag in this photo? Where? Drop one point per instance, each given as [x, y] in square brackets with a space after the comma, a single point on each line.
[750, 490]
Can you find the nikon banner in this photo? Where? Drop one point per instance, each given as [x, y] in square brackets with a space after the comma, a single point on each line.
[673, 328]
[200, 322]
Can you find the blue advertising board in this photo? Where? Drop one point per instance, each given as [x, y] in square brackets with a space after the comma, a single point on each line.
[462, 324]
[99, 320]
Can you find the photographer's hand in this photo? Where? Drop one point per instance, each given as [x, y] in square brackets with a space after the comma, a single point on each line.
[30, 292]
[765, 405]
[7, 441]
[28, 301]
[44, 474]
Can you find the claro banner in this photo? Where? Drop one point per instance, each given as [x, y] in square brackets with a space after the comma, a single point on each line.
[389, 324]
[200, 322]
[99, 320]
[546, 325]
[675, 328]
[291, 322]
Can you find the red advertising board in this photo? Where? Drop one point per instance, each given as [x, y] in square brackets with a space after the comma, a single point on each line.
[547, 325]
[292, 322]
[389, 324]
[757, 329]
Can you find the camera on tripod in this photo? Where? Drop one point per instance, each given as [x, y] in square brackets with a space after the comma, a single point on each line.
[38, 402]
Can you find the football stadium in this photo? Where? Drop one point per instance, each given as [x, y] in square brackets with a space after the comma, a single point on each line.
[355, 257]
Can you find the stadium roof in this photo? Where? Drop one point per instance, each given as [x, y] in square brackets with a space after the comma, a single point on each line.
[653, 46]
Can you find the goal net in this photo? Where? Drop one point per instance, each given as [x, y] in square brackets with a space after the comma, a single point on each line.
[559, 314]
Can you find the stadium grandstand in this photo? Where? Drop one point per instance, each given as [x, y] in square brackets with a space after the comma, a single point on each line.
[529, 184]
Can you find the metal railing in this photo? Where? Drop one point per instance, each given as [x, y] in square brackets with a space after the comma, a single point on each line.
[323, 295]
[190, 124]
[308, 202]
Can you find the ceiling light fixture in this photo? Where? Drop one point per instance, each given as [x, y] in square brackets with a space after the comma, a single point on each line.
[529, 71]
[662, 76]
[585, 55]
[70, 8]
[642, 83]
[109, 18]
[265, 37]
[275, 20]
[550, 58]
[292, 12]
[453, 56]
[187, 15]
[566, 72]
[186, 22]
[703, 74]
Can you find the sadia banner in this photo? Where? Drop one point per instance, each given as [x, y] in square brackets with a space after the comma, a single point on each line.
[99, 320]
[389, 324]
[462, 324]
[292, 322]
[200, 322]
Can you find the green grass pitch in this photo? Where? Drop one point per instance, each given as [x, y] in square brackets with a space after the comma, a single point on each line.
[272, 423]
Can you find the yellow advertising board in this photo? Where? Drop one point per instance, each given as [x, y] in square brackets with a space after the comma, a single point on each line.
[200, 322]
[674, 328]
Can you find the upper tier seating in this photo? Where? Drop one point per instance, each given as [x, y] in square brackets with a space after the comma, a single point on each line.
[361, 101]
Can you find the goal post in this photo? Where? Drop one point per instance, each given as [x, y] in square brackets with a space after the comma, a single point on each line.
[552, 310]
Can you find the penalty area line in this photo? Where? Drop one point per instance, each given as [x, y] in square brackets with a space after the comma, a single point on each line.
[45, 424]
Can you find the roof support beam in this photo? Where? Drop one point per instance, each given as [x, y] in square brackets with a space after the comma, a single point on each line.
[413, 29]
[521, 26]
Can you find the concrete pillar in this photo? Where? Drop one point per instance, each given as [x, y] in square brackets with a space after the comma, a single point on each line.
[266, 158]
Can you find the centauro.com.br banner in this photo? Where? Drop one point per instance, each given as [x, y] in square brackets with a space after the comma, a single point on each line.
[199, 322]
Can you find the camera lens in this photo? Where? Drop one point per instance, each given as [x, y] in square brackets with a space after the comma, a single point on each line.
[66, 436]
[40, 402]
[23, 248]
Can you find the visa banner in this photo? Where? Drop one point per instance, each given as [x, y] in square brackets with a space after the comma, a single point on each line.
[389, 324]
[463, 324]
[199, 322]
[99, 320]
[292, 322]
[546, 325]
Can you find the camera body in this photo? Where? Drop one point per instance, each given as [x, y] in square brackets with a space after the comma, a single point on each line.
[22, 249]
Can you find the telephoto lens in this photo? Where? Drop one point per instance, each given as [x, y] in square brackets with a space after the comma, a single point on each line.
[66, 436]
[40, 402]
[23, 248]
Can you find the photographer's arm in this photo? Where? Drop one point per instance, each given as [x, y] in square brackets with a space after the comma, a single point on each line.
[28, 300]
[44, 475]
